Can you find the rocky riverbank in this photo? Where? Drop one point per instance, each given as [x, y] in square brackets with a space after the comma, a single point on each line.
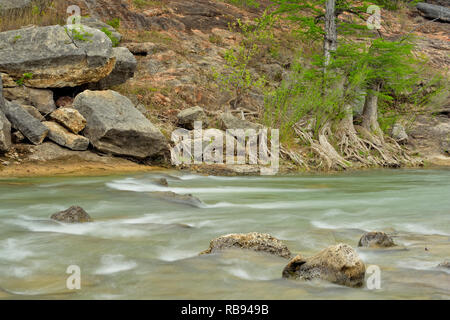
[107, 99]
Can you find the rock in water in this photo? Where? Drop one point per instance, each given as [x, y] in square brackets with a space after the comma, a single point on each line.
[162, 182]
[21, 120]
[255, 241]
[123, 69]
[51, 57]
[115, 126]
[187, 199]
[187, 117]
[445, 264]
[74, 214]
[69, 118]
[339, 264]
[432, 11]
[41, 99]
[376, 239]
[64, 138]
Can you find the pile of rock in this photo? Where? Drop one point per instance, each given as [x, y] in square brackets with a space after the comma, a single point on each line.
[37, 60]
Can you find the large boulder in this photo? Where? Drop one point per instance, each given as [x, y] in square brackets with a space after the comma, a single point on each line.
[54, 57]
[187, 117]
[74, 214]
[376, 239]
[40, 98]
[69, 118]
[21, 120]
[115, 126]
[255, 241]
[339, 264]
[64, 138]
[123, 69]
[432, 11]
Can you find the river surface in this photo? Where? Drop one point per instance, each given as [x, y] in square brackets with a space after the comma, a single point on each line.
[142, 247]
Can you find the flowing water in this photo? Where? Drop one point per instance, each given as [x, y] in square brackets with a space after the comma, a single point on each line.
[143, 247]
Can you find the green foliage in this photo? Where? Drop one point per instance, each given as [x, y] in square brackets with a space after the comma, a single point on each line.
[114, 40]
[236, 76]
[25, 76]
[115, 23]
[79, 35]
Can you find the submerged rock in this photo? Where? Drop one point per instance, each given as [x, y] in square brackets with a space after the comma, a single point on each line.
[115, 126]
[21, 120]
[188, 199]
[74, 214]
[339, 264]
[445, 264]
[376, 239]
[162, 182]
[261, 242]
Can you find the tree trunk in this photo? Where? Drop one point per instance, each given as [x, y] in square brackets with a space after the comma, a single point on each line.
[330, 39]
[370, 111]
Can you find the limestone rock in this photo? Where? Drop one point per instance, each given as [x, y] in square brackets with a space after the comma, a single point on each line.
[376, 239]
[339, 264]
[187, 199]
[231, 122]
[187, 117]
[255, 241]
[115, 126]
[64, 138]
[123, 69]
[42, 99]
[74, 214]
[69, 118]
[434, 12]
[52, 57]
[21, 120]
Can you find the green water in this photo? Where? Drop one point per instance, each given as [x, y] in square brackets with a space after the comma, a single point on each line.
[140, 247]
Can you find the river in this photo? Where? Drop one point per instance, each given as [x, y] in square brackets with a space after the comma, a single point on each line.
[142, 247]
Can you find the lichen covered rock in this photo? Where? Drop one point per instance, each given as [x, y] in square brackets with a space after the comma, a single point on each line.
[339, 264]
[255, 241]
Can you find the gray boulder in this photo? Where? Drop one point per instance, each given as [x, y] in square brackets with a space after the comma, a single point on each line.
[231, 122]
[115, 126]
[33, 111]
[187, 117]
[40, 98]
[339, 264]
[260, 242]
[123, 69]
[53, 56]
[5, 132]
[432, 11]
[21, 120]
[64, 138]
[74, 214]
[376, 239]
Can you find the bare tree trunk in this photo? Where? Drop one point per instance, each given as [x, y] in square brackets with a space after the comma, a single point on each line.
[330, 40]
[370, 111]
